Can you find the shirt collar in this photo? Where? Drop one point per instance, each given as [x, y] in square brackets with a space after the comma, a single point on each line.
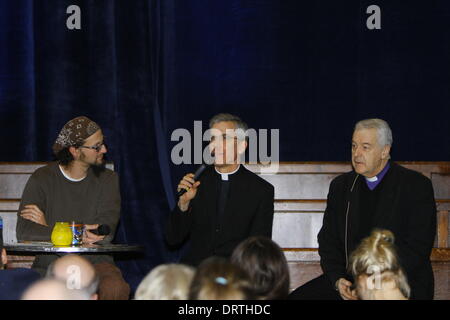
[68, 177]
[224, 176]
[374, 181]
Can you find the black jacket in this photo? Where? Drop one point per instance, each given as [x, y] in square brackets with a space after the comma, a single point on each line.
[406, 207]
[14, 282]
[248, 212]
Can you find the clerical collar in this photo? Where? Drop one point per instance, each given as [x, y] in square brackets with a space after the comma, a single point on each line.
[224, 176]
[374, 181]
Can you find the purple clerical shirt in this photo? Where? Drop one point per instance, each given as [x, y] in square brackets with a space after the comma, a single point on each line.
[372, 182]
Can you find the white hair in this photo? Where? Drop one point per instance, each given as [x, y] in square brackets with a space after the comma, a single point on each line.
[166, 282]
[383, 130]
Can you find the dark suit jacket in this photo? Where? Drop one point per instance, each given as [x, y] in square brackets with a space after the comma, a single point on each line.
[406, 207]
[248, 212]
[14, 282]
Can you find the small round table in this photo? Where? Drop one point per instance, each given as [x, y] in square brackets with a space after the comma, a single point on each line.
[33, 247]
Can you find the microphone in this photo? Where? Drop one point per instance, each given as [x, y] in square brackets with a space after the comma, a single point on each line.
[196, 176]
[102, 230]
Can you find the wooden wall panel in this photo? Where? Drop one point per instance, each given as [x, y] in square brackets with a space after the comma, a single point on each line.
[12, 185]
[9, 205]
[300, 273]
[300, 186]
[441, 272]
[296, 230]
[301, 189]
[441, 185]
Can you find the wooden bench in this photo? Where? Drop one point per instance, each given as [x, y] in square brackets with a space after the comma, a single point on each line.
[301, 190]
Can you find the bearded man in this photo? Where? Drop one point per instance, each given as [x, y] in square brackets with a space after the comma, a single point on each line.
[77, 187]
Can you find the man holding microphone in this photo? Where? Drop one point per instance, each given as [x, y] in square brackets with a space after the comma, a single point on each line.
[227, 204]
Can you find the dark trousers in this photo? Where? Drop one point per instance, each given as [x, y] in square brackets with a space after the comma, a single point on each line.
[317, 289]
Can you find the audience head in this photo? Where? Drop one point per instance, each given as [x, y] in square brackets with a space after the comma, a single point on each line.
[266, 265]
[376, 269]
[166, 282]
[51, 289]
[77, 272]
[371, 146]
[218, 279]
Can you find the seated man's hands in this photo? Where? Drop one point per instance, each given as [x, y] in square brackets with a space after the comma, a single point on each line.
[33, 213]
[89, 237]
[344, 288]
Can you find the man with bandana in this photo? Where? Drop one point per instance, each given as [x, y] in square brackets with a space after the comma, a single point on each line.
[77, 187]
[379, 194]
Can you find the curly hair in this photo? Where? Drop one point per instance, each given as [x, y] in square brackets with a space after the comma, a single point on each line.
[377, 254]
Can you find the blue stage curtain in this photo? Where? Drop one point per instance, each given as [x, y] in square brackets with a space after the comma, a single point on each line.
[110, 71]
[144, 68]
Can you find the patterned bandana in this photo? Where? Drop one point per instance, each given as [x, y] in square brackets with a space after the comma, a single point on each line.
[75, 132]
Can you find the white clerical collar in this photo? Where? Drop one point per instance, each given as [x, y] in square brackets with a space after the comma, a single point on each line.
[225, 175]
[67, 176]
[373, 179]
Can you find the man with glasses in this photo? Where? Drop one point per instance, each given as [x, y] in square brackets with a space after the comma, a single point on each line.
[227, 204]
[77, 187]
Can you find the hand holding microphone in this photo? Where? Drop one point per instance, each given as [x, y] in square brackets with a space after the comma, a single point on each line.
[187, 189]
[95, 232]
[102, 230]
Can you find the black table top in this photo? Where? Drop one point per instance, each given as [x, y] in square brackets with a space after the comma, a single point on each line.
[48, 247]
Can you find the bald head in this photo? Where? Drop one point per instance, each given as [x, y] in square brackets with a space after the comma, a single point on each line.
[76, 271]
[53, 290]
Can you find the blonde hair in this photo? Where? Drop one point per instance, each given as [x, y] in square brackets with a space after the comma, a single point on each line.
[377, 253]
[218, 279]
[166, 282]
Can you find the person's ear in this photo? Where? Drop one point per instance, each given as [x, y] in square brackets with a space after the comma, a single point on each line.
[242, 145]
[385, 152]
[4, 257]
[75, 152]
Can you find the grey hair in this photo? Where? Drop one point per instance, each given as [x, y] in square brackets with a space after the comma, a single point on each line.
[166, 282]
[383, 130]
[222, 117]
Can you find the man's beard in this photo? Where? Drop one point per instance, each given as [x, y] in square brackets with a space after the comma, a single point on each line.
[98, 166]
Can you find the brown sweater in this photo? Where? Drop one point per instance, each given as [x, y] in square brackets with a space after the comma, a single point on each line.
[90, 201]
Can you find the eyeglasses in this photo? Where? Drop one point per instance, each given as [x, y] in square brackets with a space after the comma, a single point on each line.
[97, 147]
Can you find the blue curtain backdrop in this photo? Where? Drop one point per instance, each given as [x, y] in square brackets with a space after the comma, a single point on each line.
[144, 68]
